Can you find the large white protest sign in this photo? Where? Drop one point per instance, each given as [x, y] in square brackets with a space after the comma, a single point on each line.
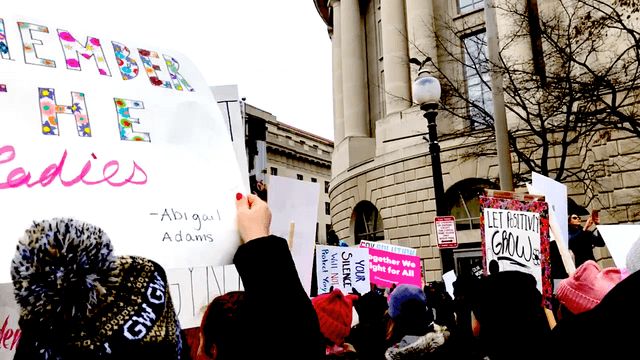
[192, 289]
[343, 268]
[619, 239]
[118, 133]
[9, 315]
[296, 201]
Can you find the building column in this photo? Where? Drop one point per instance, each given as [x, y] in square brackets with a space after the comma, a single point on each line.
[396, 56]
[354, 82]
[338, 101]
[420, 31]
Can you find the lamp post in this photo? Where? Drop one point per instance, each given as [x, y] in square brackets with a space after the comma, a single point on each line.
[426, 93]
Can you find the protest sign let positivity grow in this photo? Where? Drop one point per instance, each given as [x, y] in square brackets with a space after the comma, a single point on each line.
[515, 235]
[117, 133]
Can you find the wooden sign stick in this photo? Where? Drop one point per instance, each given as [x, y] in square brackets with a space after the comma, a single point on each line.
[292, 227]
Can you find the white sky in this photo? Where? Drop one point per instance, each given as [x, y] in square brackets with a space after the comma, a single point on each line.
[277, 52]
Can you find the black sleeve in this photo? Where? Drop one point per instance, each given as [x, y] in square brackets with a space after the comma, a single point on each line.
[282, 310]
[596, 239]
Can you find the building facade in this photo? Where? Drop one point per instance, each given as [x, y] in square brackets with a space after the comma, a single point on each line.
[381, 183]
[296, 154]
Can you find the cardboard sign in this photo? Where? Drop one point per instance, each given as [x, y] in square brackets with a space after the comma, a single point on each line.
[343, 268]
[296, 201]
[192, 289]
[515, 234]
[118, 133]
[9, 315]
[388, 247]
[446, 232]
[387, 268]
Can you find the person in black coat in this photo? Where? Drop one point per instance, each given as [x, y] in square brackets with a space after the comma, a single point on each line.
[273, 316]
[582, 240]
[608, 331]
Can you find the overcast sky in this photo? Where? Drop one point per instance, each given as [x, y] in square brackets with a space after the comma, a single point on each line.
[277, 52]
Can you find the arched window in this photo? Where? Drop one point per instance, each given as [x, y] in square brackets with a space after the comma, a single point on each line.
[463, 199]
[366, 223]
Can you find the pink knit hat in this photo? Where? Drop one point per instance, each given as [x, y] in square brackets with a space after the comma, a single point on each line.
[586, 288]
[335, 312]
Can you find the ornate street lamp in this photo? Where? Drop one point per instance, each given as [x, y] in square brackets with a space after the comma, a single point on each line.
[426, 93]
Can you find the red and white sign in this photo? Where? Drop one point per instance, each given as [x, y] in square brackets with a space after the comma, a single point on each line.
[446, 232]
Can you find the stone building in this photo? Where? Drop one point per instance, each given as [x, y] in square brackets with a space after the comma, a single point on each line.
[297, 154]
[381, 182]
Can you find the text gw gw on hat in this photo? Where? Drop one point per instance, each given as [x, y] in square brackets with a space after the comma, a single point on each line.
[78, 300]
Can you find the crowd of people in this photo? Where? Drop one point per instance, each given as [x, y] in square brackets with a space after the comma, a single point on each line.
[80, 301]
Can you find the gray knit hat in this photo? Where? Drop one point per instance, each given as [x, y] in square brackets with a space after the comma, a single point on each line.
[633, 257]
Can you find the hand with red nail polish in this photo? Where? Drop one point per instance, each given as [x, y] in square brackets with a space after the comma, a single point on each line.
[253, 217]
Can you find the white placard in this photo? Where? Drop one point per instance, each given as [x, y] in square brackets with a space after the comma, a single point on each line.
[192, 289]
[449, 278]
[296, 201]
[343, 268]
[118, 133]
[388, 247]
[231, 109]
[9, 315]
[512, 238]
[555, 194]
[619, 239]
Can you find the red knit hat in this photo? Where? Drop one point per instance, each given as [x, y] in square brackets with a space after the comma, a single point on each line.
[586, 288]
[335, 312]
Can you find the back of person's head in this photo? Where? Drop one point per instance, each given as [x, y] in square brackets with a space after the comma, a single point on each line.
[633, 257]
[332, 238]
[223, 324]
[408, 309]
[371, 307]
[78, 300]
[587, 287]
[335, 313]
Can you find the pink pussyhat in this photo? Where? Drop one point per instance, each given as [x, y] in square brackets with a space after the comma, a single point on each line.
[587, 287]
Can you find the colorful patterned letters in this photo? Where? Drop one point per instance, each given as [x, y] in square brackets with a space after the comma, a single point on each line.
[150, 68]
[49, 111]
[179, 81]
[125, 121]
[128, 66]
[92, 48]
[4, 47]
[29, 44]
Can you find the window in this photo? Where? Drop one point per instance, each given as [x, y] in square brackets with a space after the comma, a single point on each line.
[274, 171]
[468, 5]
[300, 177]
[367, 223]
[314, 180]
[327, 208]
[477, 77]
[326, 187]
[463, 199]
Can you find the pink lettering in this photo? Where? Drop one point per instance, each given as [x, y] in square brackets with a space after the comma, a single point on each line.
[19, 176]
[6, 334]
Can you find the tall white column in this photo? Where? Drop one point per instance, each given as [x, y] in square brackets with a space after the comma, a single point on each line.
[420, 31]
[396, 56]
[338, 101]
[354, 83]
